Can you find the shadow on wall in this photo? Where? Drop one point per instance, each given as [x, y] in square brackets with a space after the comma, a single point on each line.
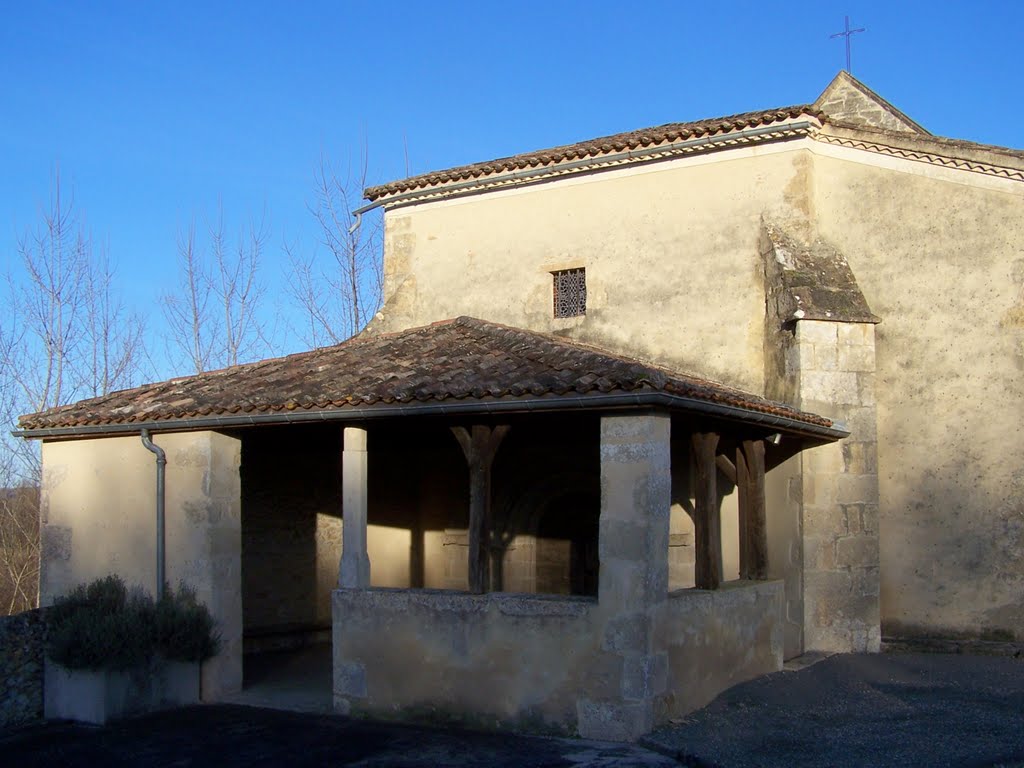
[952, 557]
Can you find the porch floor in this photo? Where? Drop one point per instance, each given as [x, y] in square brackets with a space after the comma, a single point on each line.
[298, 680]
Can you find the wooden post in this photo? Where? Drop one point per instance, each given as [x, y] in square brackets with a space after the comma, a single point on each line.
[753, 524]
[479, 446]
[707, 524]
[743, 505]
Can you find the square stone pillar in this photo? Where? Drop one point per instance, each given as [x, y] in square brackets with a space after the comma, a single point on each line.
[636, 498]
[354, 571]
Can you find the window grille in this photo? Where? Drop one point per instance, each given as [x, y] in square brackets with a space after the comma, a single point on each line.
[570, 292]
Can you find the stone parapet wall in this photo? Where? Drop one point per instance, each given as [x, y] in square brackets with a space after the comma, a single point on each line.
[494, 661]
[713, 640]
[22, 639]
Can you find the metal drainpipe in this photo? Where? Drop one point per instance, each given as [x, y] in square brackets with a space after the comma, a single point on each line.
[161, 466]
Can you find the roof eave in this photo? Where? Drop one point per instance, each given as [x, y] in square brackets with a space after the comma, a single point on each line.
[781, 130]
[611, 401]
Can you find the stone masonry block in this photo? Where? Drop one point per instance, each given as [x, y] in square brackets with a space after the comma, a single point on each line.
[349, 679]
[820, 553]
[859, 457]
[854, 488]
[628, 633]
[826, 358]
[622, 540]
[644, 675]
[650, 427]
[859, 358]
[824, 459]
[857, 551]
[869, 518]
[829, 388]
[862, 423]
[623, 583]
[866, 388]
[856, 334]
[816, 331]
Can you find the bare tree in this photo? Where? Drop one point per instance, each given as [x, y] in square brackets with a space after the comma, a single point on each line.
[339, 295]
[112, 335]
[19, 548]
[213, 317]
[65, 335]
[47, 305]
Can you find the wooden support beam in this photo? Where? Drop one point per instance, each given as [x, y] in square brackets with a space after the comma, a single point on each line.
[726, 467]
[753, 525]
[743, 507]
[479, 445]
[707, 521]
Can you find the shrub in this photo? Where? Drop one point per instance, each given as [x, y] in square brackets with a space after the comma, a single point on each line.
[184, 627]
[103, 625]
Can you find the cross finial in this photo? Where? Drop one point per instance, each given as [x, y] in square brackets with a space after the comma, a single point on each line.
[847, 33]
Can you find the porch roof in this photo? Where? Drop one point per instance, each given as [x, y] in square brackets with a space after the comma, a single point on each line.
[455, 366]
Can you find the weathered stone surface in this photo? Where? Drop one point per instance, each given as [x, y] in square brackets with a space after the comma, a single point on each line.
[812, 281]
[22, 637]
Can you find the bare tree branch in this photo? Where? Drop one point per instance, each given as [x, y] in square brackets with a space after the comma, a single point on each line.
[213, 317]
[338, 297]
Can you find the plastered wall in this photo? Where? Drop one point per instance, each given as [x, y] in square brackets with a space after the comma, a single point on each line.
[99, 517]
[669, 251]
[940, 259]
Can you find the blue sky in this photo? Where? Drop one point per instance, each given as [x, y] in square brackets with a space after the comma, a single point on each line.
[157, 112]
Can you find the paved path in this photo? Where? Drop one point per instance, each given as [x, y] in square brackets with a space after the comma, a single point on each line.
[863, 710]
[226, 736]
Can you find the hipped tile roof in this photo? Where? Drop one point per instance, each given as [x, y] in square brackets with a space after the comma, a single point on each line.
[595, 148]
[456, 360]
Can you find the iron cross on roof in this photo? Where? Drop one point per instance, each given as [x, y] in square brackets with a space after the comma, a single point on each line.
[847, 34]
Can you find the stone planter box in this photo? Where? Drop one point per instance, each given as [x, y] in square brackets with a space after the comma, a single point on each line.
[98, 696]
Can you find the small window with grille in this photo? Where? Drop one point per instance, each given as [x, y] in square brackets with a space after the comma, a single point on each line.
[570, 292]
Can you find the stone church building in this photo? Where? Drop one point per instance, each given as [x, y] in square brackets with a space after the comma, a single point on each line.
[641, 418]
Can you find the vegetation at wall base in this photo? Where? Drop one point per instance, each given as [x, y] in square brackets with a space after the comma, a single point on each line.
[105, 625]
[184, 627]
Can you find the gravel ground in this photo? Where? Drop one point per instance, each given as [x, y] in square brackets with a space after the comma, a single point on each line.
[232, 736]
[862, 710]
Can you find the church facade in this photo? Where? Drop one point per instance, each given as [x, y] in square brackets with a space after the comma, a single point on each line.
[640, 418]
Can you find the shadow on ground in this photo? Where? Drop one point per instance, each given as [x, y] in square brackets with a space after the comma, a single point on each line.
[862, 710]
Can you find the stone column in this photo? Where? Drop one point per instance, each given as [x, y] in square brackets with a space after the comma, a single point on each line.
[354, 571]
[636, 497]
[838, 488]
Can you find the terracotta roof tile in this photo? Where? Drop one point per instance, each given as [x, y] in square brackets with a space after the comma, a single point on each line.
[644, 137]
[457, 359]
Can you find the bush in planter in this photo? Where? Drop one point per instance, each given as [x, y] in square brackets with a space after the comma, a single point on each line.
[101, 626]
[104, 625]
[184, 627]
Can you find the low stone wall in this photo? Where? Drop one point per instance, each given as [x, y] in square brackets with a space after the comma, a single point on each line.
[21, 667]
[492, 661]
[544, 663]
[714, 640]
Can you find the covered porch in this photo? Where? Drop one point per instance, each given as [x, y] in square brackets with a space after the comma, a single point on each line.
[634, 604]
[492, 525]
